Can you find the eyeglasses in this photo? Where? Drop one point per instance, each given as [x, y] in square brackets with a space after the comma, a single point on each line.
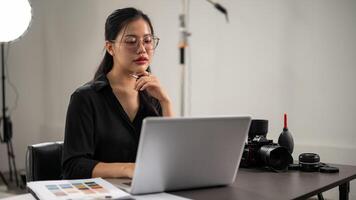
[132, 42]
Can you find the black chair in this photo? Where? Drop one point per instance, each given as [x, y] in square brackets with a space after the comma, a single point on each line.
[43, 161]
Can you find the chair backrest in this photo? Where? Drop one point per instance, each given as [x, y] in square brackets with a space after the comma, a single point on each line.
[43, 161]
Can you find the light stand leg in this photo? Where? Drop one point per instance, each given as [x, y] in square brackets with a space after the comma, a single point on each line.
[13, 163]
[3, 179]
[9, 161]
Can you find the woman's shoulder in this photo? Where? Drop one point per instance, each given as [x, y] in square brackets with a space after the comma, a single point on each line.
[92, 87]
[84, 90]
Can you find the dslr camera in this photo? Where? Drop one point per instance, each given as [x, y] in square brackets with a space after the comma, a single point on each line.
[260, 152]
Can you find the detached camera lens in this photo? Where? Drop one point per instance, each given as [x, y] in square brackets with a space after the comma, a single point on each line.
[309, 162]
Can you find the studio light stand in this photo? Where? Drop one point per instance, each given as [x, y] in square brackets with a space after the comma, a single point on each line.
[15, 18]
[183, 44]
[7, 126]
[2, 64]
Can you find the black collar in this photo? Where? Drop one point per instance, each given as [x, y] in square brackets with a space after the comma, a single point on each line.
[100, 82]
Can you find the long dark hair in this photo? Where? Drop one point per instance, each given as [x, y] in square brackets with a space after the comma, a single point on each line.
[115, 23]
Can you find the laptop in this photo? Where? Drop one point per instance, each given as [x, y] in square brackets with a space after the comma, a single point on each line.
[186, 153]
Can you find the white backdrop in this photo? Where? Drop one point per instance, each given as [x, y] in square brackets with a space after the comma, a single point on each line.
[273, 57]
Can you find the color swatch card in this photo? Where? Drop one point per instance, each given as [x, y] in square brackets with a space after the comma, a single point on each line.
[76, 189]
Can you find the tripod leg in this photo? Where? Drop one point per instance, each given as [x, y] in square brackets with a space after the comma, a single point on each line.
[14, 164]
[9, 160]
[3, 179]
[320, 196]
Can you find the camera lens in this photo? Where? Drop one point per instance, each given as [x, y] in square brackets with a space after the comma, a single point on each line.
[275, 156]
[309, 162]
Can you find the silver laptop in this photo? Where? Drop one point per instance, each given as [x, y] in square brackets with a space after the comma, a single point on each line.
[185, 153]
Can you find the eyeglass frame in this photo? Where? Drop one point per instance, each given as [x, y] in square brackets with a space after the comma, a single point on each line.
[154, 38]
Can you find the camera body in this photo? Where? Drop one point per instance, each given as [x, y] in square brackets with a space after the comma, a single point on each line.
[251, 156]
[262, 152]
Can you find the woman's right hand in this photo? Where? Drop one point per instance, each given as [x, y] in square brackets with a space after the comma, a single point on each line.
[129, 169]
[114, 170]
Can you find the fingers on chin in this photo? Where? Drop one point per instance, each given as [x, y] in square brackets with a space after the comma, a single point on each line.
[144, 73]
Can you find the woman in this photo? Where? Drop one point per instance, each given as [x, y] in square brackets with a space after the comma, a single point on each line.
[104, 116]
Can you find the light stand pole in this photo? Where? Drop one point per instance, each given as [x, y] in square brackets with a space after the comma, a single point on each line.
[7, 125]
[183, 44]
[2, 64]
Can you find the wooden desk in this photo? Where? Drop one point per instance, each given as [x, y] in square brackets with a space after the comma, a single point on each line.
[254, 184]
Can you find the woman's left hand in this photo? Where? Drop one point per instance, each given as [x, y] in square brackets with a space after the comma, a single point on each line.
[151, 84]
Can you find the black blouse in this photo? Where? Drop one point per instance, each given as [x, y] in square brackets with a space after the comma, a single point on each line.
[99, 130]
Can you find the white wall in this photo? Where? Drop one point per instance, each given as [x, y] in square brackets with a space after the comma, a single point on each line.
[273, 57]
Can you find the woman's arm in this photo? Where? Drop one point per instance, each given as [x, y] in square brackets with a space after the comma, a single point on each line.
[113, 170]
[79, 145]
[167, 109]
[151, 84]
